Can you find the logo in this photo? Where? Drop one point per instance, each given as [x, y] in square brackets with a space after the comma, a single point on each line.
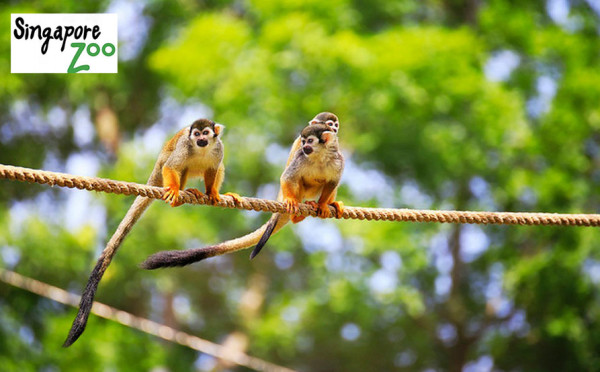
[63, 43]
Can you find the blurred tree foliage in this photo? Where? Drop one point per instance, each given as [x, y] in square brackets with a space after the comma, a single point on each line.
[462, 104]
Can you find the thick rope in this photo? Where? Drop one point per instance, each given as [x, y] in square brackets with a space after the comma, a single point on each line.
[377, 214]
[142, 324]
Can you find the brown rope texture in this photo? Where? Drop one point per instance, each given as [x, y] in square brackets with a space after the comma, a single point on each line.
[255, 204]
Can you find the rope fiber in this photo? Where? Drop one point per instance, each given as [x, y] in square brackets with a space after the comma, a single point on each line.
[255, 204]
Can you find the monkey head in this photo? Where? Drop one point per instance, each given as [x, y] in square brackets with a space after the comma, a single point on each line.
[327, 118]
[204, 132]
[316, 137]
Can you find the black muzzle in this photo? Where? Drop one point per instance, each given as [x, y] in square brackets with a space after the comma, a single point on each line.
[307, 150]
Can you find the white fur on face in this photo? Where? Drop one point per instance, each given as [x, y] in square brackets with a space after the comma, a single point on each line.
[334, 125]
[195, 133]
[204, 133]
[311, 140]
[203, 137]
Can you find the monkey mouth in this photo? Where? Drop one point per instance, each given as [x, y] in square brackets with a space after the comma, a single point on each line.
[307, 150]
[202, 143]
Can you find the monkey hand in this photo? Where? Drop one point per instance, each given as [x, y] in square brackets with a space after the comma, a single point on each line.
[323, 210]
[339, 208]
[171, 196]
[291, 206]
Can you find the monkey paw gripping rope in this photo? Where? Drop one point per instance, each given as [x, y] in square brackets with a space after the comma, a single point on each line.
[378, 214]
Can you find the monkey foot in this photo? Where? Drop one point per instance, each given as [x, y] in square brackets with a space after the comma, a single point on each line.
[237, 199]
[171, 196]
[291, 206]
[213, 197]
[296, 218]
[197, 193]
[323, 210]
[339, 208]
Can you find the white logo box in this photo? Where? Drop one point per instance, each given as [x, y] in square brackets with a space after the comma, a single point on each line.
[100, 53]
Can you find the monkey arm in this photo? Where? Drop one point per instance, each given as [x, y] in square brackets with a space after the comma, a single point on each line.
[183, 179]
[172, 184]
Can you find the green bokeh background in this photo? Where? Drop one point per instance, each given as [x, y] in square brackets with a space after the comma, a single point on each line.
[444, 104]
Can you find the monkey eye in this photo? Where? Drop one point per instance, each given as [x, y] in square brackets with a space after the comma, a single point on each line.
[310, 140]
[205, 132]
[303, 142]
[196, 133]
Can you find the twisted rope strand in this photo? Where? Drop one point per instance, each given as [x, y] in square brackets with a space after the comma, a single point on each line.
[255, 204]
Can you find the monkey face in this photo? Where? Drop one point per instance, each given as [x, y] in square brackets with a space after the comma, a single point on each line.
[316, 138]
[327, 118]
[308, 144]
[333, 125]
[201, 136]
[204, 132]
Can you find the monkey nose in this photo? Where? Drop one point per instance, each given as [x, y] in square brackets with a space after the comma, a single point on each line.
[202, 143]
[307, 150]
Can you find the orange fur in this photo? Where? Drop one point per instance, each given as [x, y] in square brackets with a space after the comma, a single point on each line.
[172, 184]
[172, 143]
[212, 180]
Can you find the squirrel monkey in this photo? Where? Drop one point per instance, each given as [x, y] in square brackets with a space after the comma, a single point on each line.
[195, 151]
[313, 172]
[327, 118]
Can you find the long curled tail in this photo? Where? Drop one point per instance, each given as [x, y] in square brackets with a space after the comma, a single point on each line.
[188, 256]
[87, 298]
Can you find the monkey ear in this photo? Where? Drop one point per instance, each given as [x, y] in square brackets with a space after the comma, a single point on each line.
[327, 136]
[219, 129]
[313, 121]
